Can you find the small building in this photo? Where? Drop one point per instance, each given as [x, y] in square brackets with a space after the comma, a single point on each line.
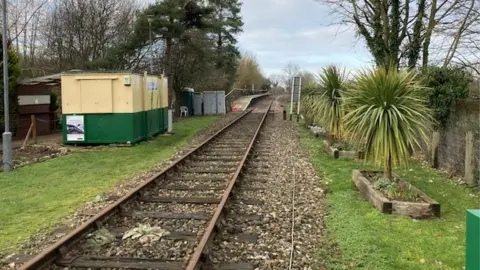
[34, 99]
[113, 107]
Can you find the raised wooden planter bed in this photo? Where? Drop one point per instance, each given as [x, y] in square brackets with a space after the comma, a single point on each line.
[334, 152]
[428, 208]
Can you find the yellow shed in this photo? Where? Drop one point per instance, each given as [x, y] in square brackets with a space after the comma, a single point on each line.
[120, 107]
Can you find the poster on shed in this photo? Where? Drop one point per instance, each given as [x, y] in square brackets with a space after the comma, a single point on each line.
[152, 84]
[75, 128]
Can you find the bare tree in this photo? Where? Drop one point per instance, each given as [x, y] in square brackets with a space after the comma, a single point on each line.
[289, 71]
[80, 31]
[276, 79]
[24, 17]
[401, 31]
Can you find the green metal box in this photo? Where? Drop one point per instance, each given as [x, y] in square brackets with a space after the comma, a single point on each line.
[472, 261]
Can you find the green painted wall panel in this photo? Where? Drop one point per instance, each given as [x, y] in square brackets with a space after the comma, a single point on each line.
[120, 127]
[472, 261]
[165, 119]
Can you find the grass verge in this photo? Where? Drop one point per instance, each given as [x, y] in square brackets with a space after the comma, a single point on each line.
[360, 237]
[38, 196]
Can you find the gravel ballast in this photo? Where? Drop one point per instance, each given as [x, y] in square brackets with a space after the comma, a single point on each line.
[281, 162]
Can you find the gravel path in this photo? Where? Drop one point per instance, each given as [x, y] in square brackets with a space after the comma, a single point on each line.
[43, 239]
[280, 161]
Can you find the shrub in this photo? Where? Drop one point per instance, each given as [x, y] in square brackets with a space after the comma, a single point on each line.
[325, 103]
[388, 112]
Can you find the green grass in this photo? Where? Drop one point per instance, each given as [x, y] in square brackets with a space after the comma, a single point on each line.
[38, 196]
[359, 237]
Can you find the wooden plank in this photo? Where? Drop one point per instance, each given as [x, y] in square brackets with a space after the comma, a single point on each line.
[433, 205]
[222, 153]
[195, 187]
[118, 262]
[209, 163]
[229, 147]
[173, 235]
[197, 178]
[224, 150]
[200, 170]
[374, 196]
[167, 215]
[412, 209]
[34, 129]
[193, 200]
[217, 158]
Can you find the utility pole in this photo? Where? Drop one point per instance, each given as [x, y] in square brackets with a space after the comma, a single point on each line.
[7, 135]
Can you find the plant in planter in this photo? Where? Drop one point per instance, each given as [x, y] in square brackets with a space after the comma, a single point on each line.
[328, 106]
[388, 112]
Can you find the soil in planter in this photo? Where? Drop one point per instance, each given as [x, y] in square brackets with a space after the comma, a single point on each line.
[32, 154]
[392, 189]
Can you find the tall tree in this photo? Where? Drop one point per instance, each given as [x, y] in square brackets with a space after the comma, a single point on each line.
[170, 20]
[227, 24]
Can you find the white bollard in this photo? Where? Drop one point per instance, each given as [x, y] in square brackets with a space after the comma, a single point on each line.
[170, 121]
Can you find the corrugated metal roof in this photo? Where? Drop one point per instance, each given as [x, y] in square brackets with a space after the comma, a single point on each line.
[49, 79]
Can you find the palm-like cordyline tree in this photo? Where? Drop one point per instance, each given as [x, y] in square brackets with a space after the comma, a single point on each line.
[326, 103]
[388, 111]
[309, 94]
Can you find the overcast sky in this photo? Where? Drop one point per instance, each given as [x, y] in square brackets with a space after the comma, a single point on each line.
[297, 31]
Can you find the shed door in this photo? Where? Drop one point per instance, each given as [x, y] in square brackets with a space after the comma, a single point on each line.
[209, 103]
[197, 103]
[96, 96]
[220, 102]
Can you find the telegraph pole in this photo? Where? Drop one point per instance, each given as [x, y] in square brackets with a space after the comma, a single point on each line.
[7, 135]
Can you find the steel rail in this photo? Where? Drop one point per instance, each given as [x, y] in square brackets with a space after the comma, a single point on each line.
[58, 248]
[197, 255]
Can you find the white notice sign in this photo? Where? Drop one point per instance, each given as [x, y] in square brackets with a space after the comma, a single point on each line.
[152, 84]
[75, 128]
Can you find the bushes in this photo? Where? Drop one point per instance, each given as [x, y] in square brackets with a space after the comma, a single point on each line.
[445, 86]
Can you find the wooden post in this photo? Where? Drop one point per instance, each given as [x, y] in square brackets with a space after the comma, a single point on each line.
[28, 135]
[34, 129]
[469, 160]
[435, 143]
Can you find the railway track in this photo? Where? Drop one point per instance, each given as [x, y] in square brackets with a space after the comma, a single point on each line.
[169, 221]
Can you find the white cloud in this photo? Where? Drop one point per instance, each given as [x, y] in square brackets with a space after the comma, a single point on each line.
[298, 31]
